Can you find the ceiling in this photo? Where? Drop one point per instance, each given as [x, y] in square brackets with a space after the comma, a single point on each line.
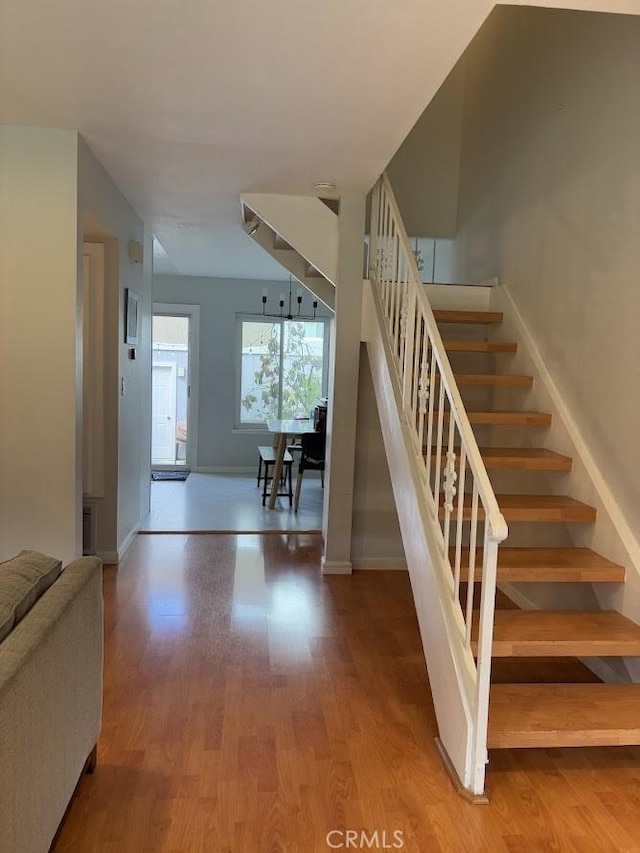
[189, 104]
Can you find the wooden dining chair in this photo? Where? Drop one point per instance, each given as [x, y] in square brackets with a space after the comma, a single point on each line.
[312, 454]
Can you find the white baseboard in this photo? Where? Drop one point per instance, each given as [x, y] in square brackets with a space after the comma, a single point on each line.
[387, 564]
[127, 543]
[336, 567]
[110, 558]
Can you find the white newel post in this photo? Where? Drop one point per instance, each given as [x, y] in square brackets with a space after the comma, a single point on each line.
[343, 389]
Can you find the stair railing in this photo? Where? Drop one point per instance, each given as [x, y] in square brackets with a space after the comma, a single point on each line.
[458, 495]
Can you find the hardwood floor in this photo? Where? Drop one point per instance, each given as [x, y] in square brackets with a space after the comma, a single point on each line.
[252, 706]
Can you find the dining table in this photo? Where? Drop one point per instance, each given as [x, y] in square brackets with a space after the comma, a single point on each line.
[283, 430]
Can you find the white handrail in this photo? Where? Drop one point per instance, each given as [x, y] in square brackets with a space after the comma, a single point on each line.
[431, 399]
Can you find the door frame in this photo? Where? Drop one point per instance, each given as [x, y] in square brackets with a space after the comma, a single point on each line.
[172, 309]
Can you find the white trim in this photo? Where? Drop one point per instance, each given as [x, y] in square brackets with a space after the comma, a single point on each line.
[336, 567]
[128, 541]
[175, 309]
[108, 557]
[382, 564]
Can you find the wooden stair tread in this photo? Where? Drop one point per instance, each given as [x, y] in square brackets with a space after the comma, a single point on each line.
[483, 317]
[555, 715]
[508, 380]
[524, 458]
[554, 633]
[557, 565]
[506, 418]
[536, 508]
[529, 458]
[480, 346]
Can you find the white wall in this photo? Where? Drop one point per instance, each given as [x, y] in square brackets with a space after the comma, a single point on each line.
[550, 203]
[40, 347]
[220, 445]
[127, 432]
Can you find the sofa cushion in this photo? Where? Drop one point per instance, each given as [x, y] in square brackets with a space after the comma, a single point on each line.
[23, 579]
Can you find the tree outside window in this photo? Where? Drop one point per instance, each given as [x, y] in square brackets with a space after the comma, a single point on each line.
[281, 370]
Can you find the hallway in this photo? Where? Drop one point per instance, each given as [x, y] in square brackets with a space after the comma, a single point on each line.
[252, 706]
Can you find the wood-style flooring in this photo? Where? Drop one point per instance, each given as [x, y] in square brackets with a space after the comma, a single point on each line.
[252, 706]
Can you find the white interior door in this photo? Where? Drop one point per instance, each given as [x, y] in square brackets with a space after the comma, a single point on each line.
[163, 414]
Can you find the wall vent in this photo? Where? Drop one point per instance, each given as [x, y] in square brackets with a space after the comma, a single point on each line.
[89, 529]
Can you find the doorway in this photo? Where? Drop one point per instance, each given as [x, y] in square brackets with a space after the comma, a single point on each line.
[174, 397]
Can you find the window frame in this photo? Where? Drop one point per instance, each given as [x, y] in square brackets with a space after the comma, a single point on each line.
[261, 426]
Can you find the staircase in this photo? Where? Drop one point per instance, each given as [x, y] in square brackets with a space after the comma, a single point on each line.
[445, 394]
[545, 715]
[469, 468]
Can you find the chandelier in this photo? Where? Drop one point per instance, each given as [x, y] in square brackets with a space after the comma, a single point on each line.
[291, 313]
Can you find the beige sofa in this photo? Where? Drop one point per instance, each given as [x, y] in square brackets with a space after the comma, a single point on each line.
[50, 706]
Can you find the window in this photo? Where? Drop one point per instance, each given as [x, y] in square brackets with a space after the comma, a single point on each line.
[282, 368]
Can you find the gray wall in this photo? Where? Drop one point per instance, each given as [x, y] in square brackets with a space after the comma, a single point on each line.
[375, 540]
[220, 445]
[424, 172]
[128, 415]
[550, 202]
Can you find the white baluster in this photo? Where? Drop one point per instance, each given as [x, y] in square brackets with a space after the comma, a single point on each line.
[409, 344]
[436, 484]
[417, 351]
[472, 563]
[448, 486]
[459, 523]
[432, 379]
